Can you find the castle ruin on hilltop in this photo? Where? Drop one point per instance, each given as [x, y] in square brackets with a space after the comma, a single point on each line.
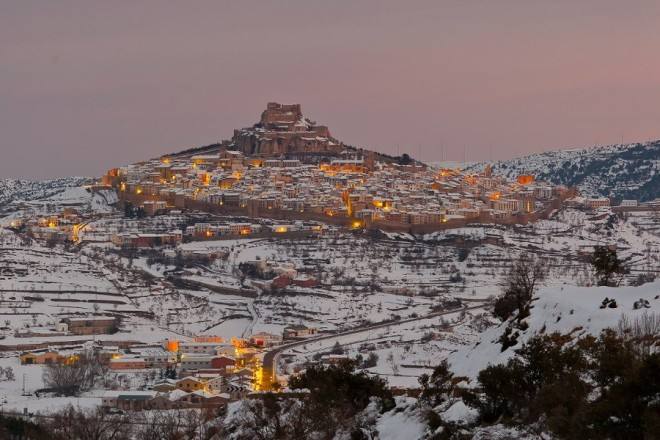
[284, 131]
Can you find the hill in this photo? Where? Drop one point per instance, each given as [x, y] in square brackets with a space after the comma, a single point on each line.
[283, 131]
[627, 171]
[17, 189]
[573, 310]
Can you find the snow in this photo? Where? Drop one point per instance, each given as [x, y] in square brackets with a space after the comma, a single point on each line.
[401, 277]
[460, 413]
[619, 171]
[566, 309]
[401, 425]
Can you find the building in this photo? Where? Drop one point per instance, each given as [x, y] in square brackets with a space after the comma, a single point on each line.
[196, 361]
[164, 386]
[263, 339]
[597, 203]
[223, 362]
[298, 331]
[283, 130]
[158, 358]
[204, 399]
[153, 207]
[194, 347]
[97, 325]
[189, 384]
[127, 363]
[127, 400]
[40, 358]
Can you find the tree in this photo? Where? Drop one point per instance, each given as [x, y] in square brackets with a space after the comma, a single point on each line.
[438, 387]
[519, 287]
[74, 374]
[606, 263]
[337, 348]
[589, 388]
[337, 394]
[14, 427]
[371, 360]
[96, 424]
[270, 418]
[404, 159]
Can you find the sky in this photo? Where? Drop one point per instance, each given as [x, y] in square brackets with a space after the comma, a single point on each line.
[89, 85]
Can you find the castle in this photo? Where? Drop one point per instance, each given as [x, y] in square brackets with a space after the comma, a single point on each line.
[284, 131]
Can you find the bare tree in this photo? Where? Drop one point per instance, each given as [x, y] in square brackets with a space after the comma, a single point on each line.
[644, 330]
[96, 424]
[519, 286]
[74, 374]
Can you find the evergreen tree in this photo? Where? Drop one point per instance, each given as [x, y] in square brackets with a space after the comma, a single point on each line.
[607, 264]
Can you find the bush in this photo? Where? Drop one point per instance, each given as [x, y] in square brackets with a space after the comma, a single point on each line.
[371, 361]
[589, 388]
[340, 387]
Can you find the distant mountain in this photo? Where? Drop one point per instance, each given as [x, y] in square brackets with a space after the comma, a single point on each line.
[628, 171]
[16, 189]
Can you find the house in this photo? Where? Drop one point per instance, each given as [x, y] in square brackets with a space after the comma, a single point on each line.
[158, 358]
[189, 384]
[306, 282]
[195, 362]
[194, 347]
[204, 399]
[127, 400]
[242, 374]
[95, 325]
[280, 282]
[629, 203]
[298, 331]
[597, 203]
[215, 384]
[209, 338]
[223, 362]
[225, 349]
[40, 358]
[333, 359]
[263, 339]
[165, 386]
[152, 207]
[128, 363]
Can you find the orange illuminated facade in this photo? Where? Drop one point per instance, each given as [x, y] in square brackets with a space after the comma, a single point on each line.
[172, 345]
[216, 339]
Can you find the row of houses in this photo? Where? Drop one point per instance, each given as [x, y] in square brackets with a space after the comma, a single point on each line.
[343, 187]
[152, 400]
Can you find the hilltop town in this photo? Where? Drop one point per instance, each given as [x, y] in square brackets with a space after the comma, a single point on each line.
[288, 168]
[206, 279]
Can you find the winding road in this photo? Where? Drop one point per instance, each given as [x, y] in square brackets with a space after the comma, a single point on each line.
[270, 359]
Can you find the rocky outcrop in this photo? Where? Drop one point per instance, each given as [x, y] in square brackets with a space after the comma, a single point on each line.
[284, 131]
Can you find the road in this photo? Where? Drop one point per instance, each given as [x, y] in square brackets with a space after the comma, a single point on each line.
[270, 359]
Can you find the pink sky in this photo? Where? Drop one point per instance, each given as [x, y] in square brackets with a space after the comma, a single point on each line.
[88, 85]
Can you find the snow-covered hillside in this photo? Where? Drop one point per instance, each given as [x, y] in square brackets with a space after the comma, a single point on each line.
[13, 189]
[628, 171]
[567, 310]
